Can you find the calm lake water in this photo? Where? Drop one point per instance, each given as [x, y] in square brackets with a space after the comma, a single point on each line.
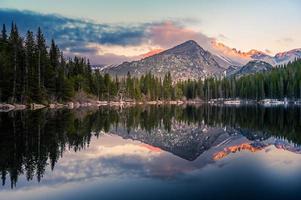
[152, 152]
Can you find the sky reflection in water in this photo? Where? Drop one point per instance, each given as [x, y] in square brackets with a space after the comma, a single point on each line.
[112, 167]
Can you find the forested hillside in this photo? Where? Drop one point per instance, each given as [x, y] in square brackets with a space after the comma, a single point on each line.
[279, 83]
[32, 72]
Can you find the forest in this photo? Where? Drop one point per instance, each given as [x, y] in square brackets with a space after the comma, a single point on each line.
[30, 71]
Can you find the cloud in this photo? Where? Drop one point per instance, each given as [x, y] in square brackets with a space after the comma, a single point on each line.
[151, 53]
[169, 33]
[73, 35]
[81, 49]
[286, 40]
[222, 37]
[62, 28]
[268, 51]
[105, 43]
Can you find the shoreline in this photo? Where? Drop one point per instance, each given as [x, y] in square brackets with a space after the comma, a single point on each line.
[5, 107]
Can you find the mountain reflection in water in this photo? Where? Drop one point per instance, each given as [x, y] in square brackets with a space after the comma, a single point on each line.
[144, 141]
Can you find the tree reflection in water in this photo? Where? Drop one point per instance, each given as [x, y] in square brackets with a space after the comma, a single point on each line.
[31, 140]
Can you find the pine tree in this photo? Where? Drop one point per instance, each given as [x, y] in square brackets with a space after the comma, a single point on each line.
[30, 85]
[51, 72]
[3, 35]
[15, 43]
[42, 57]
[167, 86]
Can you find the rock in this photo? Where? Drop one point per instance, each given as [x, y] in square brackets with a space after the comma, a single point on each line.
[114, 103]
[6, 107]
[159, 102]
[76, 104]
[70, 105]
[151, 102]
[173, 102]
[59, 105]
[56, 105]
[35, 106]
[101, 103]
[52, 106]
[84, 104]
[180, 102]
[20, 106]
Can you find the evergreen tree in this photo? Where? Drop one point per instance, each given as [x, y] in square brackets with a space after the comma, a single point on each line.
[3, 33]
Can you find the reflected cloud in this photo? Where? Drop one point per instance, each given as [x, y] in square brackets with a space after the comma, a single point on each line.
[101, 144]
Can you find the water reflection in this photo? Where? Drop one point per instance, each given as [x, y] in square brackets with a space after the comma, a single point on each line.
[154, 141]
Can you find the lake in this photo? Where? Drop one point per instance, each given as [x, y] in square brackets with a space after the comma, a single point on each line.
[152, 152]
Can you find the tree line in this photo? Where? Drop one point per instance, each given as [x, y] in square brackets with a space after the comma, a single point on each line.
[30, 71]
[282, 82]
[33, 72]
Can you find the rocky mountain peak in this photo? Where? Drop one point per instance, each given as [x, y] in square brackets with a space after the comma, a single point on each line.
[185, 61]
[251, 67]
[191, 49]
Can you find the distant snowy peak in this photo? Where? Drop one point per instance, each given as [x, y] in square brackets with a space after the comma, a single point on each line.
[252, 67]
[264, 57]
[288, 56]
[239, 58]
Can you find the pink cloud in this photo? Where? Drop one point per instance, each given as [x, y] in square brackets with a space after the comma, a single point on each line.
[169, 34]
[151, 53]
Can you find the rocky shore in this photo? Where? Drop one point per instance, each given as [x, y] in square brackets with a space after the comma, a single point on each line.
[4, 107]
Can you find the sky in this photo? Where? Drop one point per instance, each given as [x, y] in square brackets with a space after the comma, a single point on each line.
[116, 30]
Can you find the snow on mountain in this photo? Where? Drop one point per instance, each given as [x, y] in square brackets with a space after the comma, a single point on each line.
[251, 67]
[185, 61]
[191, 61]
[288, 56]
[239, 58]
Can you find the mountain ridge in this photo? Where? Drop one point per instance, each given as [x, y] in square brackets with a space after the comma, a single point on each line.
[186, 60]
[189, 60]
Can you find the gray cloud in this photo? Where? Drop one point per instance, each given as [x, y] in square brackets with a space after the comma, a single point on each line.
[74, 35]
[285, 40]
[75, 30]
[222, 36]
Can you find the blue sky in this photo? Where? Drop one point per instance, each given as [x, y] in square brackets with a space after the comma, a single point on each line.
[267, 25]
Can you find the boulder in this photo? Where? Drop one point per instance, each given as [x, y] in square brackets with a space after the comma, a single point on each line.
[59, 105]
[35, 106]
[6, 107]
[20, 106]
[52, 106]
[70, 105]
[76, 104]
[102, 103]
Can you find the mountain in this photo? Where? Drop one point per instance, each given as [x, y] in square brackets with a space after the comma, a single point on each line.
[189, 141]
[232, 56]
[187, 60]
[288, 56]
[251, 67]
[258, 55]
[183, 140]
[279, 58]
[231, 70]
